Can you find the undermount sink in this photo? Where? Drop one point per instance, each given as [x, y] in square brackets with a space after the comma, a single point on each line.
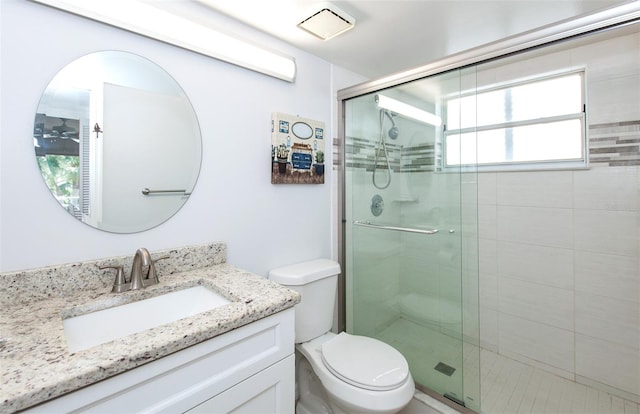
[91, 329]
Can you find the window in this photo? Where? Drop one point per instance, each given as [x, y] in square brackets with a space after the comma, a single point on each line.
[530, 124]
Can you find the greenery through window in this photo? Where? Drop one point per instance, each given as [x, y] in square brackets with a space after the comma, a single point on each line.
[61, 173]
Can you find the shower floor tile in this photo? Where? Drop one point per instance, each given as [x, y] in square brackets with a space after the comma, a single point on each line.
[507, 386]
[426, 349]
[512, 387]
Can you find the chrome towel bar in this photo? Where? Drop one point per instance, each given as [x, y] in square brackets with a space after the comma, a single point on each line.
[147, 191]
[395, 228]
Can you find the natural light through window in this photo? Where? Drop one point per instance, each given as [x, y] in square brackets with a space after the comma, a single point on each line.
[539, 121]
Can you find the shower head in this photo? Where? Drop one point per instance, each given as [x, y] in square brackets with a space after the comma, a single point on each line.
[393, 131]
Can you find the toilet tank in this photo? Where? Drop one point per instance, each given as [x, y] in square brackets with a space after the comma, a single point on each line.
[316, 281]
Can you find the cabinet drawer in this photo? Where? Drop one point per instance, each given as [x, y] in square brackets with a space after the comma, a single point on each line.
[269, 391]
[183, 380]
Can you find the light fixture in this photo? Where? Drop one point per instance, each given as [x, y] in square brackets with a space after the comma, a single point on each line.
[327, 22]
[144, 19]
[407, 110]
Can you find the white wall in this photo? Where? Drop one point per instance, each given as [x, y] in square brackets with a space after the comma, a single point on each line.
[342, 78]
[264, 225]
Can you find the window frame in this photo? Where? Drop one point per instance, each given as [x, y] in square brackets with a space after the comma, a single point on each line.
[549, 164]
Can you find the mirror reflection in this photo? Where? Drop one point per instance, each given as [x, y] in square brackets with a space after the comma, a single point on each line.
[117, 142]
[302, 130]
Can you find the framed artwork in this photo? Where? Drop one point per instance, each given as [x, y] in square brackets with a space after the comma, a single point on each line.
[297, 150]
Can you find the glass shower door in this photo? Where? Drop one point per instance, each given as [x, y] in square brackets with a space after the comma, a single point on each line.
[410, 238]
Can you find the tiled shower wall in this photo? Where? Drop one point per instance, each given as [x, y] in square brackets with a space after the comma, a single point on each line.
[560, 250]
[559, 271]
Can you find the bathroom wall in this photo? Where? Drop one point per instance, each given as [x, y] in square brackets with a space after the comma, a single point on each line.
[264, 225]
[560, 250]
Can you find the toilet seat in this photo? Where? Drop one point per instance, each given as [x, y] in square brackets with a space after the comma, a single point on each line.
[365, 362]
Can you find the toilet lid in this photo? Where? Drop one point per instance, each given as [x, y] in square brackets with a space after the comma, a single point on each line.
[365, 362]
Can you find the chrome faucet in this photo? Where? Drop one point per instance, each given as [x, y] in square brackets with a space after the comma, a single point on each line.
[139, 277]
[141, 258]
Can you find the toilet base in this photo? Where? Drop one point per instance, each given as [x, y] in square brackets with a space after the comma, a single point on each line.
[313, 398]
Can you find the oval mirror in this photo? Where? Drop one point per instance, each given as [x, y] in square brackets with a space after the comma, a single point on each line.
[302, 130]
[117, 142]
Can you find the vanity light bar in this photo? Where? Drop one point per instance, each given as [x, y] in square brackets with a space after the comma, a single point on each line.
[144, 19]
[407, 110]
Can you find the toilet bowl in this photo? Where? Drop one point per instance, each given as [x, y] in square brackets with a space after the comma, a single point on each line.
[356, 374]
[366, 376]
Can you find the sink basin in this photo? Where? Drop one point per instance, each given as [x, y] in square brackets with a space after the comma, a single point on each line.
[91, 329]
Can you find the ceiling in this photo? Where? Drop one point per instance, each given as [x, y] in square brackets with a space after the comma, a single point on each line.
[394, 35]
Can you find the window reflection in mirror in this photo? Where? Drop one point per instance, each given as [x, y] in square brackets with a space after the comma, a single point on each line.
[58, 154]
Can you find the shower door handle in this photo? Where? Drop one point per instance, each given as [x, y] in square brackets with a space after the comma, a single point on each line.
[395, 228]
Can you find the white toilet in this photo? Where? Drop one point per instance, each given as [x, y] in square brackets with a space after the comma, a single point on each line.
[357, 374]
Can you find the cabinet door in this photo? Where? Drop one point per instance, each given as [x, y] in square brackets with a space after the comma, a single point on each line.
[269, 391]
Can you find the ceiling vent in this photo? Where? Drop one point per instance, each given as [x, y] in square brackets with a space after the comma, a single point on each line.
[328, 22]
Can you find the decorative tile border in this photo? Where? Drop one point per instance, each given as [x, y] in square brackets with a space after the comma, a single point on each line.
[615, 144]
[361, 153]
[420, 158]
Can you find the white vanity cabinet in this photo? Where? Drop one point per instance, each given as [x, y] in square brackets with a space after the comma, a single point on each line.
[247, 370]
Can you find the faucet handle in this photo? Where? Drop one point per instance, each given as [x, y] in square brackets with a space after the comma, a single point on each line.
[119, 284]
[152, 276]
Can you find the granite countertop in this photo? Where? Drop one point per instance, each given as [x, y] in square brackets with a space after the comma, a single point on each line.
[36, 365]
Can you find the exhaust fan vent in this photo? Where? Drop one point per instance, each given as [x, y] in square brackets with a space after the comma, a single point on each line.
[327, 23]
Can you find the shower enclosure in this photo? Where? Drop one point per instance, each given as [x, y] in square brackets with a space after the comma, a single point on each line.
[412, 231]
[491, 219]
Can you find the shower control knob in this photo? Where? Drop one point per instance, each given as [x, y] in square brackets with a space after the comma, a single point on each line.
[377, 205]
